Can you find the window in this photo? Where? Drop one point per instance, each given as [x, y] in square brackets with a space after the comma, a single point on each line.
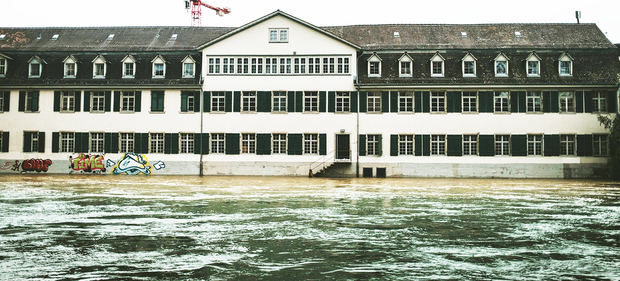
[189, 67]
[33, 145]
[187, 143]
[129, 67]
[470, 144]
[534, 145]
[35, 67]
[260, 65]
[99, 67]
[97, 102]
[288, 65]
[248, 102]
[296, 65]
[567, 145]
[279, 101]
[311, 143]
[404, 66]
[254, 64]
[2, 101]
[96, 142]
[405, 102]
[438, 145]
[340, 65]
[437, 66]
[67, 142]
[438, 101]
[325, 65]
[190, 101]
[599, 103]
[533, 65]
[346, 65]
[501, 65]
[278, 35]
[2, 67]
[70, 67]
[31, 101]
[217, 143]
[228, 66]
[469, 66]
[128, 102]
[567, 101]
[405, 144]
[343, 102]
[126, 142]
[565, 65]
[303, 65]
[311, 101]
[157, 101]
[601, 145]
[311, 65]
[374, 66]
[317, 65]
[218, 102]
[501, 102]
[159, 67]
[331, 65]
[212, 65]
[470, 102]
[372, 145]
[248, 143]
[374, 102]
[67, 101]
[279, 143]
[502, 145]
[534, 102]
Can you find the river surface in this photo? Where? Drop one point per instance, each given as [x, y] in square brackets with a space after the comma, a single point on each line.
[271, 228]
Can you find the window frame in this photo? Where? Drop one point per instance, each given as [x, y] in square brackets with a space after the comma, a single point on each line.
[279, 31]
[469, 97]
[468, 59]
[406, 59]
[405, 106]
[504, 144]
[536, 107]
[129, 60]
[311, 144]
[599, 103]
[373, 65]
[126, 141]
[218, 143]
[469, 145]
[218, 101]
[406, 144]
[67, 101]
[537, 145]
[248, 101]
[600, 145]
[130, 97]
[311, 101]
[343, 102]
[566, 58]
[248, 143]
[373, 102]
[441, 102]
[569, 104]
[96, 95]
[566, 145]
[66, 142]
[31, 66]
[99, 61]
[281, 97]
[69, 61]
[99, 142]
[158, 61]
[533, 57]
[190, 61]
[186, 143]
[372, 145]
[4, 65]
[279, 141]
[439, 142]
[437, 58]
[505, 107]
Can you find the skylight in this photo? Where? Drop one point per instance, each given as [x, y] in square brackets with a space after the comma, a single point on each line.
[518, 34]
[2, 36]
[173, 37]
[39, 36]
[396, 34]
[55, 37]
[110, 37]
[463, 34]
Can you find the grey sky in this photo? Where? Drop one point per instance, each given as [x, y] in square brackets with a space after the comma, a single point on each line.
[318, 12]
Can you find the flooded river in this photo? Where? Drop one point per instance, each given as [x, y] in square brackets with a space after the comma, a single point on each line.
[248, 228]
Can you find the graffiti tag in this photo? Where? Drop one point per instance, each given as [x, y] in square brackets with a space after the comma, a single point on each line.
[12, 166]
[36, 165]
[134, 164]
[87, 163]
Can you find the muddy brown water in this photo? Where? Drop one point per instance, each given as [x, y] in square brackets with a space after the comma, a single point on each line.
[280, 228]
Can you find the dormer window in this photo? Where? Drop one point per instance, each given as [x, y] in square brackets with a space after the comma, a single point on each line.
[3, 67]
[405, 66]
[189, 67]
[99, 67]
[159, 67]
[565, 65]
[469, 65]
[35, 67]
[437, 65]
[501, 65]
[129, 67]
[374, 66]
[533, 65]
[278, 35]
[70, 67]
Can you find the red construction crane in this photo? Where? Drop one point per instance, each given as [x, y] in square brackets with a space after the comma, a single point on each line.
[196, 10]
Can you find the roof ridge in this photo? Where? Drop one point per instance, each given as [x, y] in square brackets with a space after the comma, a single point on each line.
[453, 24]
[106, 27]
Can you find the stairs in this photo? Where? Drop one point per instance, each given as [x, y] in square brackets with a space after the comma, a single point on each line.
[333, 170]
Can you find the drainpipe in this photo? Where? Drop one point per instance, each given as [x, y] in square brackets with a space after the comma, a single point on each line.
[201, 105]
[357, 119]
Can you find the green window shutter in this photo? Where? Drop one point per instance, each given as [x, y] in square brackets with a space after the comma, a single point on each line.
[184, 95]
[418, 145]
[56, 101]
[393, 145]
[393, 101]
[35, 102]
[157, 101]
[78, 100]
[519, 145]
[111, 142]
[322, 101]
[55, 142]
[322, 144]
[485, 100]
[137, 143]
[426, 145]
[138, 95]
[206, 102]
[295, 144]
[41, 142]
[555, 101]
[108, 101]
[363, 101]
[144, 142]
[517, 101]
[237, 101]
[299, 101]
[86, 107]
[197, 143]
[417, 100]
[612, 102]
[385, 101]
[228, 101]
[455, 145]
[551, 144]
[196, 101]
[579, 101]
[584, 145]
[588, 101]
[486, 145]
[27, 141]
[7, 101]
[380, 143]
[205, 143]
[290, 96]
[331, 101]
[426, 101]
[264, 101]
[362, 145]
[5, 141]
[117, 101]
[171, 143]
[263, 144]
[81, 142]
[232, 144]
[546, 101]
[22, 102]
[453, 101]
[354, 101]
[522, 102]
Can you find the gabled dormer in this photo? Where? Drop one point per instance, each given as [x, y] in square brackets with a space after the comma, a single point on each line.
[532, 65]
[468, 65]
[501, 65]
[405, 65]
[437, 63]
[99, 67]
[374, 65]
[70, 67]
[4, 64]
[189, 67]
[129, 67]
[159, 67]
[565, 65]
[35, 67]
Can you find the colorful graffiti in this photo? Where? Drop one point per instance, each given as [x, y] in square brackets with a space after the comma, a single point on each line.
[36, 165]
[85, 163]
[11, 166]
[134, 164]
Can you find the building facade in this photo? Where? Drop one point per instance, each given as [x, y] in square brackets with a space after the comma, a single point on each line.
[280, 96]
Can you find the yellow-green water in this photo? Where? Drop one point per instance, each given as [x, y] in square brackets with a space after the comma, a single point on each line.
[247, 228]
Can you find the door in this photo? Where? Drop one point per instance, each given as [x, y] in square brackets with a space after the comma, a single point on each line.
[343, 151]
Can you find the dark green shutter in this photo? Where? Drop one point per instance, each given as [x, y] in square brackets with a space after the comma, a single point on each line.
[589, 95]
[363, 102]
[393, 101]
[486, 145]
[380, 143]
[612, 102]
[78, 100]
[426, 145]
[228, 100]
[41, 142]
[108, 101]
[393, 145]
[322, 101]
[81, 142]
[184, 95]
[5, 141]
[56, 101]
[111, 143]
[206, 102]
[551, 144]
[385, 101]
[546, 102]
[485, 100]
[426, 101]
[7, 102]
[295, 144]
[86, 107]
[117, 101]
[55, 142]
[517, 101]
[196, 101]
[362, 145]
[555, 101]
[453, 101]
[157, 101]
[138, 96]
[232, 144]
[417, 101]
[322, 144]
[584, 145]
[418, 145]
[27, 141]
[205, 143]
[290, 96]
[264, 101]
[137, 143]
[143, 143]
[171, 143]
[354, 101]
[331, 101]
[455, 145]
[197, 143]
[519, 145]
[22, 102]
[237, 101]
[263, 144]
[579, 101]
[35, 102]
[299, 101]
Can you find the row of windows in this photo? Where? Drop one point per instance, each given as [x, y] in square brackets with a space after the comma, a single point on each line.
[278, 65]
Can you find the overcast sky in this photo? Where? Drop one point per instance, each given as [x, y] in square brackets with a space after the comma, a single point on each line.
[318, 12]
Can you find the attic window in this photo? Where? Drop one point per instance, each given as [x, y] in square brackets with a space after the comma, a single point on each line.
[518, 34]
[396, 34]
[463, 34]
[2, 36]
[39, 36]
[55, 37]
[110, 37]
[173, 37]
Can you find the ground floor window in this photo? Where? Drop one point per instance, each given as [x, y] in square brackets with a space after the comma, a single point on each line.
[470, 144]
[279, 143]
[156, 143]
[405, 144]
[217, 143]
[567, 145]
[96, 142]
[601, 145]
[534, 144]
[187, 143]
[67, 142]
[438, 145]
[248, 143]
[127, 142]
[502, 145]
[311, 143]
[372, 145]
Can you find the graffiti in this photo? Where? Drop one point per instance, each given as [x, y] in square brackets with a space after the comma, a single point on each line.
[85, 163]
[36, 165]
[11, 166]
[134, 164]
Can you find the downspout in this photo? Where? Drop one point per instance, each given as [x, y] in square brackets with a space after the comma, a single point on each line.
[357, 119]
[201, 105]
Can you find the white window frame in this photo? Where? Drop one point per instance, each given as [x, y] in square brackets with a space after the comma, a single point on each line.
[126, 142]
[568, 59]
[129, 60]
[248, 101]
[128, 101]
[600, 145]
[67, 101]
[186, 143]
[343, 102]
[438, 145]
[158, 60]
[311, 101]
[466, 102]
[469, 58]
[35, 63]
[218, 101]
[568, 145]
[437, 58]
[67, 62]
[470, 145]
[99, 60]
[566, 102]
[4, 65]
[218, 143]
[535, 145]
[406, 102]
[278, 101]
[599, 103]
[100, 97]
[531, 98]
[406, 144]
[282, 35]
[96, 142]
[405, 58]
[372, 144]
[279, 142]
[438, 102]
[372, 60]
[501, 96]
[501, 144]
[187, 61]
[499, 59]
[533, 57]
[248, 143]
[374, 103]
[67, 142]
[311, 143]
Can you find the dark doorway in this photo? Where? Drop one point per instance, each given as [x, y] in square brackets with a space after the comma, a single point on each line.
[343, 151]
